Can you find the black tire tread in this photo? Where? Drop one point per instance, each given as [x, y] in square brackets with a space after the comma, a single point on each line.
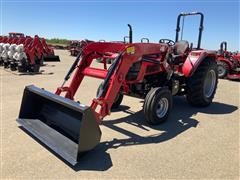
[195, 84]
[148, 108]
[147, 101]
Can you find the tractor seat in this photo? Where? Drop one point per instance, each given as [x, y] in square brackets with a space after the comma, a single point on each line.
[179, 49]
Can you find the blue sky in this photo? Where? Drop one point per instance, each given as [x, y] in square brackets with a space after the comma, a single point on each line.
[108, 20]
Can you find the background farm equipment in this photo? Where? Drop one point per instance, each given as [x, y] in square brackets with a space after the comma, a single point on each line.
[15, 35]
[151, 71]
[4, 55]
[76, 46]
[228, 63]
[1, 50]
[31, 54]
[56, 46]
[72, 47]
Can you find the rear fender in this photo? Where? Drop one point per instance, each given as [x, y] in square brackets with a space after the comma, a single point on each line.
[193, 60]
[228, 62]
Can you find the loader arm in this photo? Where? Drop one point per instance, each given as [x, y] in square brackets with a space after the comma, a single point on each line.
[127, 54]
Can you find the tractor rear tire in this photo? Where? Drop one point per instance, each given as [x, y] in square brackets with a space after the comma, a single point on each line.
[202, 85]
[117, 101]
[223, 69]
[157, 105]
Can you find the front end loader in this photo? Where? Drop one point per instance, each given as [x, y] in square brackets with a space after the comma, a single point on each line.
[67, 127]
[151, 71]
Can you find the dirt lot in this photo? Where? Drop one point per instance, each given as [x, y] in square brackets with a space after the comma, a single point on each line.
[193, 143]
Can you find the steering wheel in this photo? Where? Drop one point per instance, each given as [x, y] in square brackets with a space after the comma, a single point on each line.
[167, 41]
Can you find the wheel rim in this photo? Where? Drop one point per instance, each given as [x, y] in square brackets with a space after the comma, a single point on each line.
[221, 70]
[209, 84]
[162, 107]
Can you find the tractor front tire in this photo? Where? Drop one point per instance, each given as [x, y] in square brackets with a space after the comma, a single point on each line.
[223, 69]
[202, 85]
[157, 105]
[5, 64]
[22, 66]
[41, 61]
[13, 66]
[117, 101]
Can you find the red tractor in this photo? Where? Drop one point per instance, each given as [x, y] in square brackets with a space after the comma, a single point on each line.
[72, 46]
[151, 71]
[228, 63]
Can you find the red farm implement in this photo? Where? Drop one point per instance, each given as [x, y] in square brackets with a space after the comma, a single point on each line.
[151, 71]
[25, 53]
[228, 63]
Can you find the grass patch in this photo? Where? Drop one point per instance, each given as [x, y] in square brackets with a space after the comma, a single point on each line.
[56, 41]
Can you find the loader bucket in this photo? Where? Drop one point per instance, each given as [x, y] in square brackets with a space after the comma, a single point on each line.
[51, 58]
[65, 126]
